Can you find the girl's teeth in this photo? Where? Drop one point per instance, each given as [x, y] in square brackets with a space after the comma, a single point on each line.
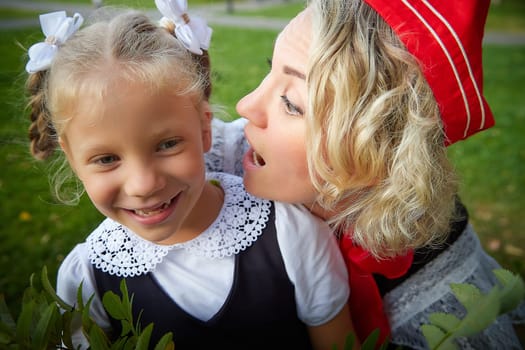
[144, 212]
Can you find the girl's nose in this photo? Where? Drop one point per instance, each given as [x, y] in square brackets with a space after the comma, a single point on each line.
[253, 107]
[143, 180]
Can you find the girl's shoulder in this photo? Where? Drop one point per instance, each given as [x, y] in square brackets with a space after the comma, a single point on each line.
[313, 262]
[296, 223]
[76, 260]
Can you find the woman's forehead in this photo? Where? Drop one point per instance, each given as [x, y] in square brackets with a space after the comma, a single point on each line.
[296, 35]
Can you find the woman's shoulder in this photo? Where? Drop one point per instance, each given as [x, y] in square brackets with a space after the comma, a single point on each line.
[428, 290]
[224, 126]
[228, 146]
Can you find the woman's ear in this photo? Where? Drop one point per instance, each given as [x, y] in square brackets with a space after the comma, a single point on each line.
[206, 119]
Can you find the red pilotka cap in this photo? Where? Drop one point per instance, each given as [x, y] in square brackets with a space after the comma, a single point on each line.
[446, 36]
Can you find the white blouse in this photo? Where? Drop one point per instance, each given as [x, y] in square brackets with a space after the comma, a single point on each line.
[204, 266]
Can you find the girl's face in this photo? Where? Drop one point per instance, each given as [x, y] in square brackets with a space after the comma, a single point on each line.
[141, 161]
[276, 167]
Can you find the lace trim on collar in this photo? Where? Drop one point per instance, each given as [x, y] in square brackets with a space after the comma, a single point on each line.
[115, 249]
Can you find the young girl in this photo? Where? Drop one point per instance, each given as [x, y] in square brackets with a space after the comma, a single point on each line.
[376, 89]
[127, 103]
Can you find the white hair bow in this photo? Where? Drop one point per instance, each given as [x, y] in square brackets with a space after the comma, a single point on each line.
[194, 35]
[57, 28]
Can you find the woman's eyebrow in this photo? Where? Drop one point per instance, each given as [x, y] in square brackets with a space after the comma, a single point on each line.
[289, 70]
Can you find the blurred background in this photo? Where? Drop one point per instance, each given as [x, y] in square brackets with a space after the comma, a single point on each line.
[35, 230]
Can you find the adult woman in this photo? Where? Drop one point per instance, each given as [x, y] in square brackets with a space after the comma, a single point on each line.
[353, 121]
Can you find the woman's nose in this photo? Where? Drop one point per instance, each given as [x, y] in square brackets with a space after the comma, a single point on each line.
[143, 180]
[253, 107]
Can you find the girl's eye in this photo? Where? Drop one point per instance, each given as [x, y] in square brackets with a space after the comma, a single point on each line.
[106, 160]
[168, 145]
[290, 107]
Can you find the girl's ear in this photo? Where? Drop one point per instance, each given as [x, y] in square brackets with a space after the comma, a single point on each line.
[64, 147]
[206, 118]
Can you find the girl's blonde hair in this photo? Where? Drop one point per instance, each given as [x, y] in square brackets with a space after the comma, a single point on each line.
[127, 42]
[375, 146]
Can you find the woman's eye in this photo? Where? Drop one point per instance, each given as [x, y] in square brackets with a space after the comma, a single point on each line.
[168, 144]
[290, 107]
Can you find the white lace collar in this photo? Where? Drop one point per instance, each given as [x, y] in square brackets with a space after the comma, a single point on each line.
[115, 249]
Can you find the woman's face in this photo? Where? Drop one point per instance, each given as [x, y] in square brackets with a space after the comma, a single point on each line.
[276, 167]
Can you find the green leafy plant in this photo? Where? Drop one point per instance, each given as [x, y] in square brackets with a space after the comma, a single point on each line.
[370, 343]
[45, 320]
[481, 310]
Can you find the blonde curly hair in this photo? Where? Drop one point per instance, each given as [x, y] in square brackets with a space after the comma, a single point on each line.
[375, 148]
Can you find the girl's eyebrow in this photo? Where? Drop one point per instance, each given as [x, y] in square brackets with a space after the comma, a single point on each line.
[291, 71]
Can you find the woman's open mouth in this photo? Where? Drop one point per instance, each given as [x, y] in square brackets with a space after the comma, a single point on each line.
[257, 159]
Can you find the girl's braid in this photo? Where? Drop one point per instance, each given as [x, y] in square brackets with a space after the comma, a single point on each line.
[42, 134]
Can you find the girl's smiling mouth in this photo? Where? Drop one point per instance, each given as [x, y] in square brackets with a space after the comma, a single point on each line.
[157, 214]
[153, 211]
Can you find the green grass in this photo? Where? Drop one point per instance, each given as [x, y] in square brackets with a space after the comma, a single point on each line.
[287, 9]
[35, 231]
[238, 68]
[492, 163]
[151, 3]
[507, 15]
[148, 3]
[11, 13]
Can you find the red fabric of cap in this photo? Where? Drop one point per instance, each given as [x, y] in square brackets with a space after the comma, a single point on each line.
[446, 37]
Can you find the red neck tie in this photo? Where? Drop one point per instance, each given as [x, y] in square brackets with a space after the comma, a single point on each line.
[366, 305]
